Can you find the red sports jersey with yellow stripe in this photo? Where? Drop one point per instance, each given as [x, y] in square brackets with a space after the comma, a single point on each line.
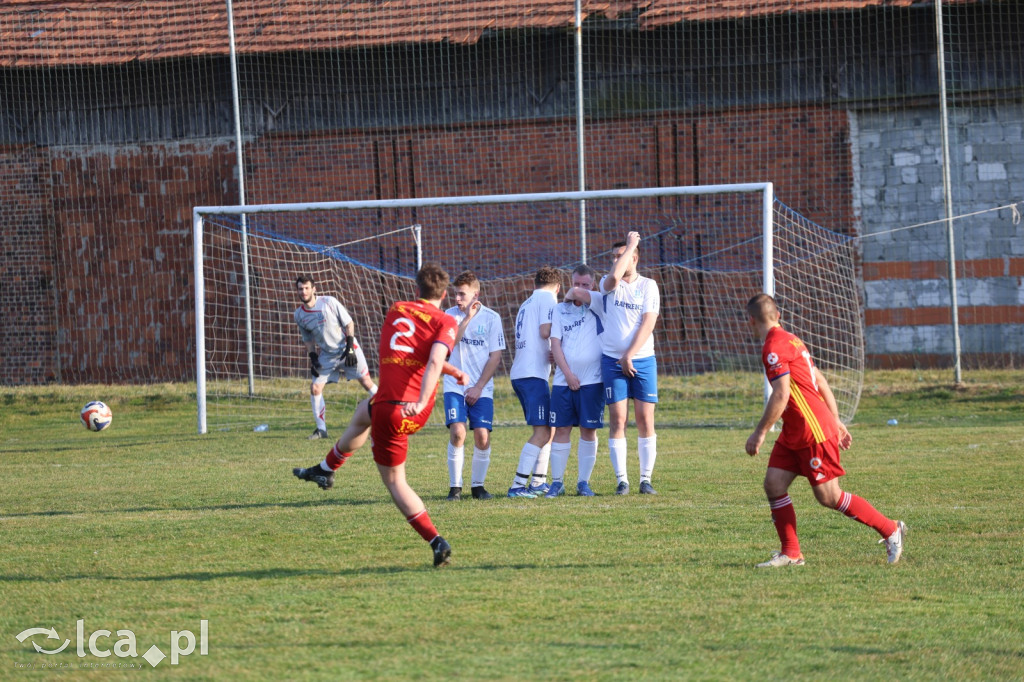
[411, 328]
[807, 419]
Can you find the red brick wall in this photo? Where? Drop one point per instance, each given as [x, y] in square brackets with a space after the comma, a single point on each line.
[28, 329]
[121, 256]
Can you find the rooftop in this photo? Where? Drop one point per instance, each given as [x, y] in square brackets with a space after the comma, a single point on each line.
[36, 33]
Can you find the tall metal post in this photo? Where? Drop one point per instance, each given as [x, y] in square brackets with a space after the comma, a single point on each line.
[947, 189]
[768, 255]
[580, 157]
[236, 106]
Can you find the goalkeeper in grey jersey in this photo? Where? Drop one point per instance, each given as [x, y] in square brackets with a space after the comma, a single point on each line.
[328, 332]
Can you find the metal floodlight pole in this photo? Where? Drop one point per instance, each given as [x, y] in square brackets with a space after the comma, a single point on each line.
[768, 255]
[947, 187]
[580, 157]
[236, 106]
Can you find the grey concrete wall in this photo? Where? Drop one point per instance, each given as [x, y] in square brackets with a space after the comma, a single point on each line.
[898, 170]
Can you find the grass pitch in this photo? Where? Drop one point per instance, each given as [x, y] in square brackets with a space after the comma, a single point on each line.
[150, 528]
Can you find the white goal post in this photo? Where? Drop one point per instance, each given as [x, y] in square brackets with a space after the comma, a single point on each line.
[709, 243]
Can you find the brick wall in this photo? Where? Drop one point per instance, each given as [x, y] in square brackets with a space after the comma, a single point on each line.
[28, 329]
[121, 255]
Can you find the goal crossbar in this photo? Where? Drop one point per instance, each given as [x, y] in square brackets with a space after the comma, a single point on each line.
[764, 188]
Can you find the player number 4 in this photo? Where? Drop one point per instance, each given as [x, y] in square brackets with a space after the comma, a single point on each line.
[402, 334]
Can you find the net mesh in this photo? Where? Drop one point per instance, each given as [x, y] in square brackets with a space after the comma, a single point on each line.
[706, 253]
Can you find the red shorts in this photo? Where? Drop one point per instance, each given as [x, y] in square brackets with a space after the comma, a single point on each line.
[390, 432]
[819, 462]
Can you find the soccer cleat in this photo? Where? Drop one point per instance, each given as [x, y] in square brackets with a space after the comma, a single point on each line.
[480, 494]
[583, 489]
[622, 488]
[556, 489]
[894, 543]
[520, 492]
[779, 559]
[454, 494]
[647, 489]
[318, 434]
[539, 490]
[442, 551]
[316, 474]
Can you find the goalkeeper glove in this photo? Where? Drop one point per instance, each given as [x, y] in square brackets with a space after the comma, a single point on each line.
[349, 354]
[314, 364]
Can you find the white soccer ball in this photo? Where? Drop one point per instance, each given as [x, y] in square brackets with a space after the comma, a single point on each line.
[96, 416]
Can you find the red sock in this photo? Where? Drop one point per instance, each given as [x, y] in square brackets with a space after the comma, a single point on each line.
[335, 459]
[784, 518]
[859, 509]
[421, 524]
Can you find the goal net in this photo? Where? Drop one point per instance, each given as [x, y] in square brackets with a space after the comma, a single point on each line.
[710, 248]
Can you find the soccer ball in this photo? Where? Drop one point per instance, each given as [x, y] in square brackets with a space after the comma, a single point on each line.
[96, 416]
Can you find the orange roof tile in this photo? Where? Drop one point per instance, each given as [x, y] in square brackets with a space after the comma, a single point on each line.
[40, 33]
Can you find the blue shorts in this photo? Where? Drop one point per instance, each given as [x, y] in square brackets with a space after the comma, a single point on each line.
[535, 397]
[618, 387]
[584, 407]
[480, 413]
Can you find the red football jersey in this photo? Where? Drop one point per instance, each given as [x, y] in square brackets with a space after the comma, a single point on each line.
[807, 419]
[411, 328]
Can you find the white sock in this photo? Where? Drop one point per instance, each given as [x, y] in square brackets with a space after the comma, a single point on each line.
[540, 470]
[617, 452]
[456, 457]
[319, 411]
[527, 459]
[647, 451]
[586, 452]
[481, 462]
[559, 460]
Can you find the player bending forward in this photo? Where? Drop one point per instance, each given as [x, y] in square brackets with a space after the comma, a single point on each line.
[577, 395]
[529, 374]
[811, 438]
[327, 331]
[415, 340]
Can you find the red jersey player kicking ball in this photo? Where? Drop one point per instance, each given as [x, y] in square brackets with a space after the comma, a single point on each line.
[416, 338]
[811, 439]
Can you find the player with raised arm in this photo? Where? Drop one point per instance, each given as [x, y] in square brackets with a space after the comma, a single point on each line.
[628, 304]
[531, 369]
[328, 332]
[811, 439]
[478, 354]
[415, 339]
[577, 394]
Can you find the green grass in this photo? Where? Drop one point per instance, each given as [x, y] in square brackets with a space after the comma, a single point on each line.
[150, 528]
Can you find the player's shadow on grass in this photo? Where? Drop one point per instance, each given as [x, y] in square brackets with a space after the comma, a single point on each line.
[326, 502]
[283, 573]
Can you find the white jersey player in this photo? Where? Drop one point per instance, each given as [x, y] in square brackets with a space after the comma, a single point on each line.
[478, 354]
[328, 332]
[531, 369]
[577, 394]
[628, 305]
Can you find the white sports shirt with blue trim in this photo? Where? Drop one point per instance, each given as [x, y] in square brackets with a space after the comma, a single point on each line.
[531, 359]
[577, 329]
[482, 337]
[622, 311]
